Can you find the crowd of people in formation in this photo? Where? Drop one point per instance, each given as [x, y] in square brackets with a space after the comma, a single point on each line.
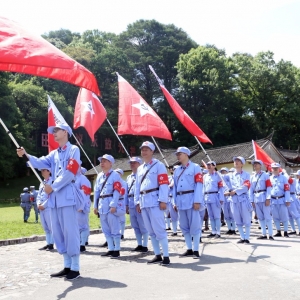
[152, 198]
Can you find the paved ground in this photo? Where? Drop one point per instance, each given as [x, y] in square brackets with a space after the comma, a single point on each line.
[226, 270]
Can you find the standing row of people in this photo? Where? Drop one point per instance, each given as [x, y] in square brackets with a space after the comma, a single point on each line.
[28, 200]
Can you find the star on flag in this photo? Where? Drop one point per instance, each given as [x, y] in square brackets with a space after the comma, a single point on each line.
[144, 108]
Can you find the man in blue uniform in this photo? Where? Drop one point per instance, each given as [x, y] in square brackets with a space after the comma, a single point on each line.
[171, 211]
[25, 204]
[107, 192]
[33, 195]
[260, 194]
[45, 211]
[239, 184]
[136, 219]
[64, 198]
[188, 199]
[280, 199]
[151, 198]
[214, 198]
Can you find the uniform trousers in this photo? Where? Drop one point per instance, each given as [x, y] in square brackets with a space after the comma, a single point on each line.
[45, 216]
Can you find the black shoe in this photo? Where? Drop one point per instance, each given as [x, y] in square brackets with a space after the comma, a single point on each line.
[82, 248]
[278, 233]
[271, 238]
[285, 234]
[50, 247]
[122, 237]
[62, 273]
[233, 232]
[262, 237]
[155, 260]
[108, 253]
[292, 232]
[73, 275]
[168, 228]
[217, 236]
[86, 243]
[200, 241]
[188, 252]
[144, 249]
[229, 232]
[259, 227]
[104, 245]
[138, 248]
[196, 254]
[174, 234]
[25, 221]
[246, 242]
[44, 248]
[240, 241]
[223, 224]
[116, 254]
[211, 235]
[166, 261]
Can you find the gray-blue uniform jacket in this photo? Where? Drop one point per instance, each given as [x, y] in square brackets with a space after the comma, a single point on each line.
[130, 189]
[280, 191]
[213, 188]
[25, 200]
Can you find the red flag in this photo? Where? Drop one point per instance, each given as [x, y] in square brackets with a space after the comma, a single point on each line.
[260, 154]
[23, 52]
[136, 116]
[89, 112]
[54, 118]
[182, 116]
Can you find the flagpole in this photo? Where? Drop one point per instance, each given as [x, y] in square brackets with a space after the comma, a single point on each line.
[18, 146]
[78, 143]
[160, 151]
[202, 148]
[118, 138]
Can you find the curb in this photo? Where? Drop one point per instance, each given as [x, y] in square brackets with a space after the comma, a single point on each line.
[37, 238]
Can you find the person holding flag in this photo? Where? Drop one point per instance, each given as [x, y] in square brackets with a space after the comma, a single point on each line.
[151, 198]
[239, 184]
[188, 200]
[64, 199]
[260, 194]
[136, 219]
[280, 199]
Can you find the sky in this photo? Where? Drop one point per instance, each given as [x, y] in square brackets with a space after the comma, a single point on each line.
[247, 26]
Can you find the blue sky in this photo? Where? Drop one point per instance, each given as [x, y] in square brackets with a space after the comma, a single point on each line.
[233, 25]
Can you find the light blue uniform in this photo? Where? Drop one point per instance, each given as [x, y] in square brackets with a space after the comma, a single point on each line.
[122, 205]
[84, 185]
[25, 204]
[213, 191]
[297, 190]
[240, 203]
[188, 185]
[157, 181]
[108, 198]
[173, 214]
[280, 194]
[259, 192]
[64, 201]
[136, 218]
[45, 214]
[33, 196]
[228, 215]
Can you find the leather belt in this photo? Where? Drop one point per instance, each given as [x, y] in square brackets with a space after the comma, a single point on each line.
[148, 191]
[73, 181]
[185, 192]
[279, 197]
[105, 196]
[170, 196]
[121, 198]
[131, 195]
[211, 193]
[292, 193]
[255, 192]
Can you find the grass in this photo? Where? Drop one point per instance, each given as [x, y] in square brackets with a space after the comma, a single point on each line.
[12, 224]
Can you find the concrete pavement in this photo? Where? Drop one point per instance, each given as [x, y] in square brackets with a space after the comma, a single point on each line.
[226, 270]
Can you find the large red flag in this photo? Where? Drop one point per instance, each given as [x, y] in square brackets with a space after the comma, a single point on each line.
[54, 118]
[260, 154]
[182, 116]
[89, 112]
[23, 52]
[136, 116]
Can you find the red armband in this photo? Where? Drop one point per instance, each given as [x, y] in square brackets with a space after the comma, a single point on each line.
[122, 193]
[31, 199]
[73, 166]
[198, 178]
[86, 189]
[117, 186]
[163, 179]
[247, 184]
[286, 187]
[220, 184]
[268, 183]
[290, 180]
